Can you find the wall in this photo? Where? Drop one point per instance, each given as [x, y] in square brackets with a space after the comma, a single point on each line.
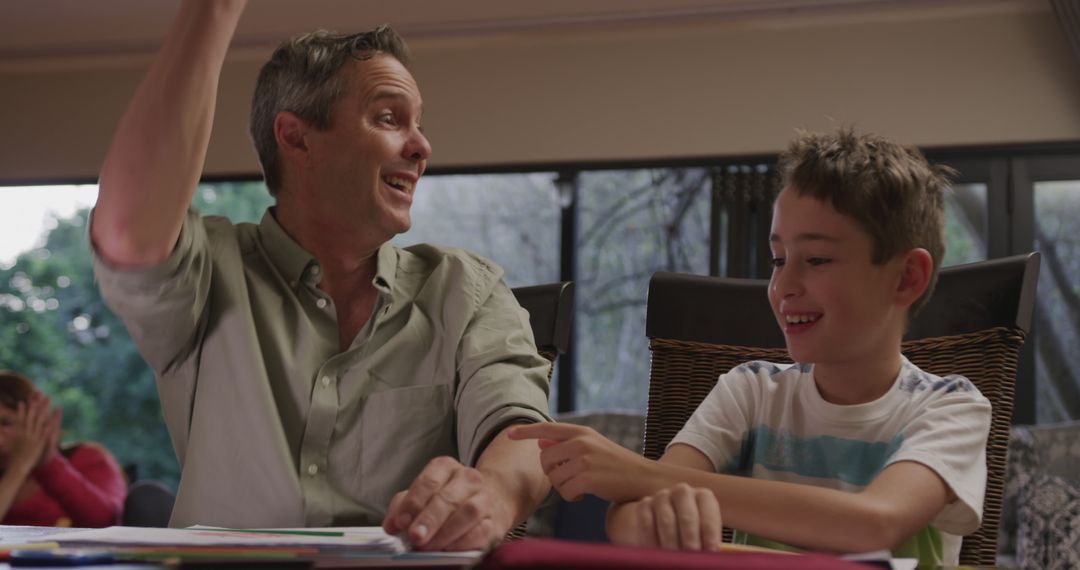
[611, 93]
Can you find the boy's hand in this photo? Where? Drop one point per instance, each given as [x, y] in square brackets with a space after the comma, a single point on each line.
[679, 518]
[578, 460]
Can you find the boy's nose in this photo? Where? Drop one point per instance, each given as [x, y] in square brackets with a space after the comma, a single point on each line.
[787, 283]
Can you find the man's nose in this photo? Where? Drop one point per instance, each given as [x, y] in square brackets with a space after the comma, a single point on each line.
[417, 147]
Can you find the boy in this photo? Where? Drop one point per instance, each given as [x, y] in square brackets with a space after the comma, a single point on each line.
[852, 448]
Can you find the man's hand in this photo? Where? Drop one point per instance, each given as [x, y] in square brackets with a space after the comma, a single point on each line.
[578, 460]
[679, 518]
[448, 507]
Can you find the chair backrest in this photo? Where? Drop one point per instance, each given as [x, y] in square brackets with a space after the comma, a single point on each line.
[148, 503]
[974, 325]
[551, 311]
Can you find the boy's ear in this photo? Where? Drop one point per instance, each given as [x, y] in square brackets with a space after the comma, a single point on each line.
[918, 265]
[290, 132]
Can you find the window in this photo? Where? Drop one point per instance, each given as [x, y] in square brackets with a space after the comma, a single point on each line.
[55, 328]
[609, 229]
[965, 224]
[511, 218]
[632, 223]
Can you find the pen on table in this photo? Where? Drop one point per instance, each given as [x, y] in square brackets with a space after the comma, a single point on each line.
[273, 531]
[60, 557]
[6, 550]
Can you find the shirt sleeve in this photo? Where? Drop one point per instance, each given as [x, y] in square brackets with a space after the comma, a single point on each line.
[503, 379]
[89, 487]
[162, 305]
[949, 437]
[719, 426]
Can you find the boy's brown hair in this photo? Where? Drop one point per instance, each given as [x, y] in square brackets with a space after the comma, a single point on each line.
[890, 190]
[14, 388]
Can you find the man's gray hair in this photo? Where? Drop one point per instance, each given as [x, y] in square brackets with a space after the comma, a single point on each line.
[302, 78]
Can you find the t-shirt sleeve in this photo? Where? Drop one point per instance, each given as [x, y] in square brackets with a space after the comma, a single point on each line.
[719, 426]
[503, 377]
[949, 437]
[162, 305]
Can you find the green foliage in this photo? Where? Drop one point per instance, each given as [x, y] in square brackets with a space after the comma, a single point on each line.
[55, 328]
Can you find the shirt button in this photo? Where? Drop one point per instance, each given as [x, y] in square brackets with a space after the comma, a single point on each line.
[321, 303]
[312, 469]
[325, 380]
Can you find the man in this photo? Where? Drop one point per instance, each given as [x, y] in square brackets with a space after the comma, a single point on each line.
[311, 374]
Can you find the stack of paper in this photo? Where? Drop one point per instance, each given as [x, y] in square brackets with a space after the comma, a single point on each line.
[325, 547]
[370, 539]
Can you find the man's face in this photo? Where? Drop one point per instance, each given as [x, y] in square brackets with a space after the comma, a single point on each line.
[834, 305]
[367, 164]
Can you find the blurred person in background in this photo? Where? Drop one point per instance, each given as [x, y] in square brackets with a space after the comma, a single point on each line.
[42, 484]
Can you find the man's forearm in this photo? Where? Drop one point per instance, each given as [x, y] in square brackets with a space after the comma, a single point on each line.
[157, 154]
[514, 468]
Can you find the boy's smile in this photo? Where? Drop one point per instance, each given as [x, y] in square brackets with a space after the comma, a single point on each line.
[837, 308]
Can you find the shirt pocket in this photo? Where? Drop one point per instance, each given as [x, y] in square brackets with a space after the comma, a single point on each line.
[402, 429]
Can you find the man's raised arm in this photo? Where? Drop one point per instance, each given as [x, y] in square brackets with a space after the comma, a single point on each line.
[156, 157]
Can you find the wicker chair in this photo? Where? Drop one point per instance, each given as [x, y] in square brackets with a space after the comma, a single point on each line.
[974, 325]
[551, 311]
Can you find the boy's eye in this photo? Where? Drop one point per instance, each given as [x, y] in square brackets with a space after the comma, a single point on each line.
[817, 260]
[777, 262]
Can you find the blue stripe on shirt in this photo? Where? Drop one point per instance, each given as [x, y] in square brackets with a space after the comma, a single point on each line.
[852, 461]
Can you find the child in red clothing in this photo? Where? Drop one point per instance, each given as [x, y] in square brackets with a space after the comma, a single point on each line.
[41, 485]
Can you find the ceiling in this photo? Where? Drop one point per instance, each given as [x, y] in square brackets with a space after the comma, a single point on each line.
[36, 30]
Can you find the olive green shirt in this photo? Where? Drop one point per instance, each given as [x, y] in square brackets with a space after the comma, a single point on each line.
[273, 424]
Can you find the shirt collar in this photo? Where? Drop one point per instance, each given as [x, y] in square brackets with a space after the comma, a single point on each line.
[295, 264]
[386, 268]
[291, 260]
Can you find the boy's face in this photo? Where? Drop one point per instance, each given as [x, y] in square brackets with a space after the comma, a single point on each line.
[834, 305]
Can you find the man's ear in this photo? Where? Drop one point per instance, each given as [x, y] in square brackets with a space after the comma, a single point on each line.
[290, 132]
[915, 273]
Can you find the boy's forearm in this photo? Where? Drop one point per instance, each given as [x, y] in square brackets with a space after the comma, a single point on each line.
[620, 524]
[800, 515]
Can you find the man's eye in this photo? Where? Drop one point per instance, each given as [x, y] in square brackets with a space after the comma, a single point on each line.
[387, 118]
[777, 262]
[817, 260]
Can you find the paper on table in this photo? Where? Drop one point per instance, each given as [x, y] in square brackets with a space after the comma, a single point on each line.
[883, 556]
[352, 538]
[10, 535]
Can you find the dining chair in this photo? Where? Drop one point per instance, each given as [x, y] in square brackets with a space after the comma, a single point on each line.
[973, 325]
[551, 312]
